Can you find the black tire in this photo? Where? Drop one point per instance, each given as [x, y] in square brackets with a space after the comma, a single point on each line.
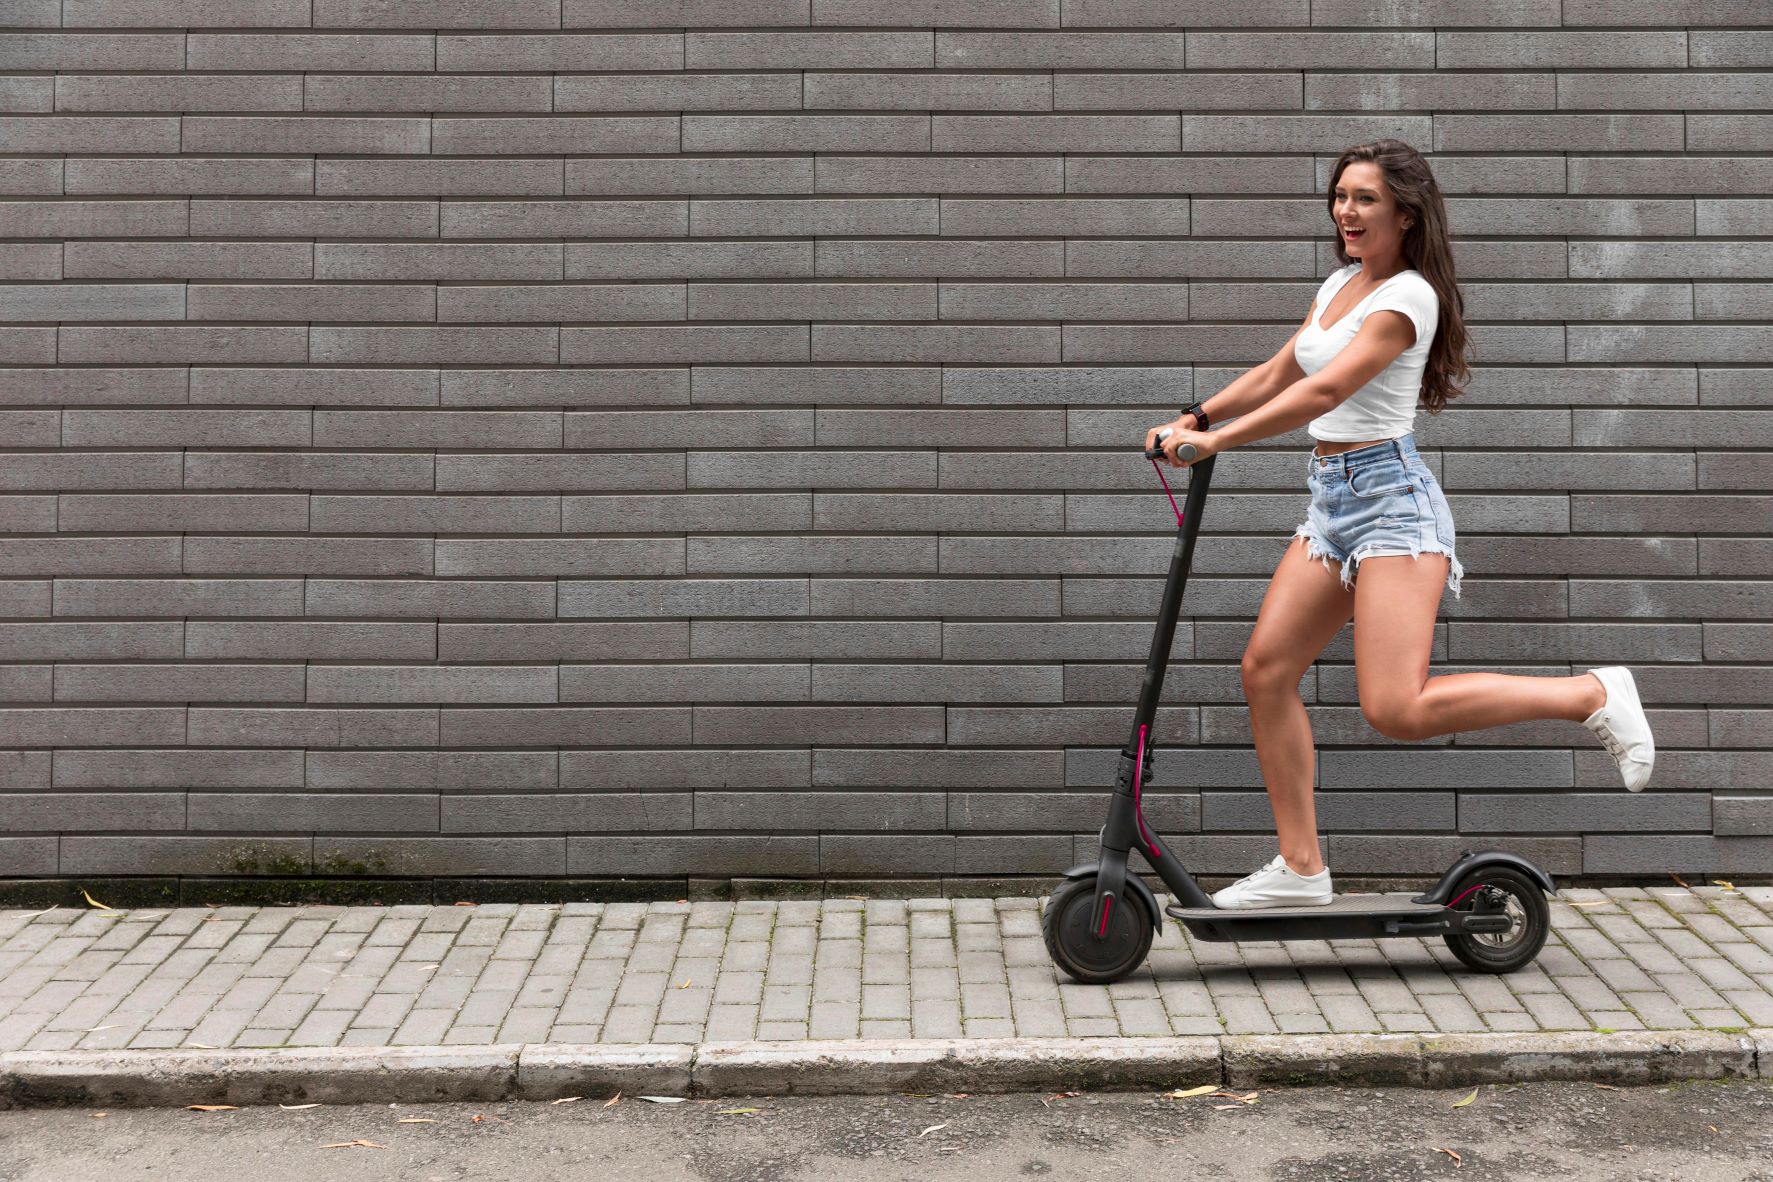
[1073, 947]
[1503, 952]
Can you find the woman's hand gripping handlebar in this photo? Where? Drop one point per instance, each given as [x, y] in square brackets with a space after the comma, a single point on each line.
[1185, 452]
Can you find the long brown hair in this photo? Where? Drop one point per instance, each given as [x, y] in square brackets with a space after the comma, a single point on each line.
[1426, 249]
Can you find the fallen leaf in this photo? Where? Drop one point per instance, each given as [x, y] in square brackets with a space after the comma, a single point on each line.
[1590, 903]
[855, 896]
[201, 1046]
[94, 902]
[98, 1115]
[1467, 1100]
[1180, 1094]
[1226, 1107]
[664, 1099]
[477, 1118]
[568, 1100]
[35, 914]
[213, 1107]
[96, 1029]
[611, 1102]
[1458, 1162]
[354, 1144]
[686, 983]
[1729, 886]
[1678, 879]
[425, 968]
[415, 1120]
[959, 1095]
[1713, 1128]
[1607, 1087]
[934, 1128]
[1241, 1098]
[732, 1111]
[465, 903]
[948, 1149]
[297, 1107]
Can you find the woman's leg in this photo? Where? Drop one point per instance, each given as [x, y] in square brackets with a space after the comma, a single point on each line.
[1396, 600]
[1303, 609]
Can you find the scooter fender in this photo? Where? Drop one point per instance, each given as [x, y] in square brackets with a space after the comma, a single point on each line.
[1137, 886]
[1442, 891]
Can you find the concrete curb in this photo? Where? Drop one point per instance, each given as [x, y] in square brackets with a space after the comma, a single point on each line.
[354, 1075]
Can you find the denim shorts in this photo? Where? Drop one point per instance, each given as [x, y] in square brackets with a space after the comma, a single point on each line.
[1376, 500]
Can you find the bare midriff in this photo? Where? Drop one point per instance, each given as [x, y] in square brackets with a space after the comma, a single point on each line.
[1329, 447]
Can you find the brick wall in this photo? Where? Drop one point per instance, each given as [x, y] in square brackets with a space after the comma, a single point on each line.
[604, 437]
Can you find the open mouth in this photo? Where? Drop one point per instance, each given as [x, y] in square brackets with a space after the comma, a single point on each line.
[1351, 235]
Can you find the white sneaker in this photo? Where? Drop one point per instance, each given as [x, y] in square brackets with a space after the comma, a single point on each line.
[1622, 726]
[1276, 885]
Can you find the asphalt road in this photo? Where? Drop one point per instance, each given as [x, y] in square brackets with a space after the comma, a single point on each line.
[1691, 1132]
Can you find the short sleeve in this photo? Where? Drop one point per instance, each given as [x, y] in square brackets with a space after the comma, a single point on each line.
[1413, 296]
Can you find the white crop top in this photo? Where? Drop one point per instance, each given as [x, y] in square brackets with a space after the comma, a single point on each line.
[1385, 407]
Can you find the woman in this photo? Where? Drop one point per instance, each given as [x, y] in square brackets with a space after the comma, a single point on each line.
[1384, 331]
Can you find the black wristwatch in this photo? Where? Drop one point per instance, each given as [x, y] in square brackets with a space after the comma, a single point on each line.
[1199, 412]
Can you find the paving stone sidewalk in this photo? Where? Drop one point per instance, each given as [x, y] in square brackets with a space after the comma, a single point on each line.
[1626, 958]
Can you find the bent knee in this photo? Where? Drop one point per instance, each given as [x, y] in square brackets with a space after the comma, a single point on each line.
[1395, 721]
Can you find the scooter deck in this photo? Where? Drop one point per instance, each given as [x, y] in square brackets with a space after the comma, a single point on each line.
[1386, 906]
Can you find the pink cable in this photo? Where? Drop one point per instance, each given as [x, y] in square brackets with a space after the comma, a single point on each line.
[1167, 492]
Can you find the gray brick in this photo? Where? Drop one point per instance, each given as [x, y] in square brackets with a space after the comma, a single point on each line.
[319, 387]
[587, 302]
[90, 219]
[182, 344]
[568, 388]
[298, 640]
[32, 260]
[1064, 133]
[687, 260]
[309, 51]
[447, 346]
[563, 641]
[1087, 216]
[342, 597]
[64, 641]
[321, 219]
[191, 175]
[1548, 49]
[983, 174]
[438, 261]
[1569, 133]
[179, 683]
[188, 13]
[93, 51]
[815, 133]
[676, 92]
[520, 136]
[365, 302]
[342, 135]
[572, 52]
[186, 428]
[578, 218]
[808, 51]
[445, 178]
[173, 597]
[929, 259]
[1059, 51]
[208, 513]
[189, 260]
[462, 683]
[442, 14]
[178, 92]
[716, 175]
[1168, 92]
[926, 92]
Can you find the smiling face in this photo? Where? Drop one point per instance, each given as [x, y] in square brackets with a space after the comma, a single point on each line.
[1367, 216]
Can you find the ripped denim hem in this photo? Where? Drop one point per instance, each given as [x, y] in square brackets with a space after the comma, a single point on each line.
[1315, 549]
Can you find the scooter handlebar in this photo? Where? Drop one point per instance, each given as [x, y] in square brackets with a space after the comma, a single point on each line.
[1185, 452]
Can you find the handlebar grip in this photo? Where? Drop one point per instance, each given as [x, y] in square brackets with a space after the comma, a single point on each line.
[1185, 452]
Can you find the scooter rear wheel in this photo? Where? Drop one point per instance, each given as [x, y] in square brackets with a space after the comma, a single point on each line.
[1071, 940]
[1521, 899]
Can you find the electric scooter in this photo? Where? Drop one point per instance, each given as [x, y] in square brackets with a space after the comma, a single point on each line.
[1489, 906]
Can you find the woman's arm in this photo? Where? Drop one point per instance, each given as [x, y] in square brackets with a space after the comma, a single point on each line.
[1382, 337]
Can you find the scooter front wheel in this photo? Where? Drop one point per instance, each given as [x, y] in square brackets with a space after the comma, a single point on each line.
[1501, 889]
[1071, 940]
